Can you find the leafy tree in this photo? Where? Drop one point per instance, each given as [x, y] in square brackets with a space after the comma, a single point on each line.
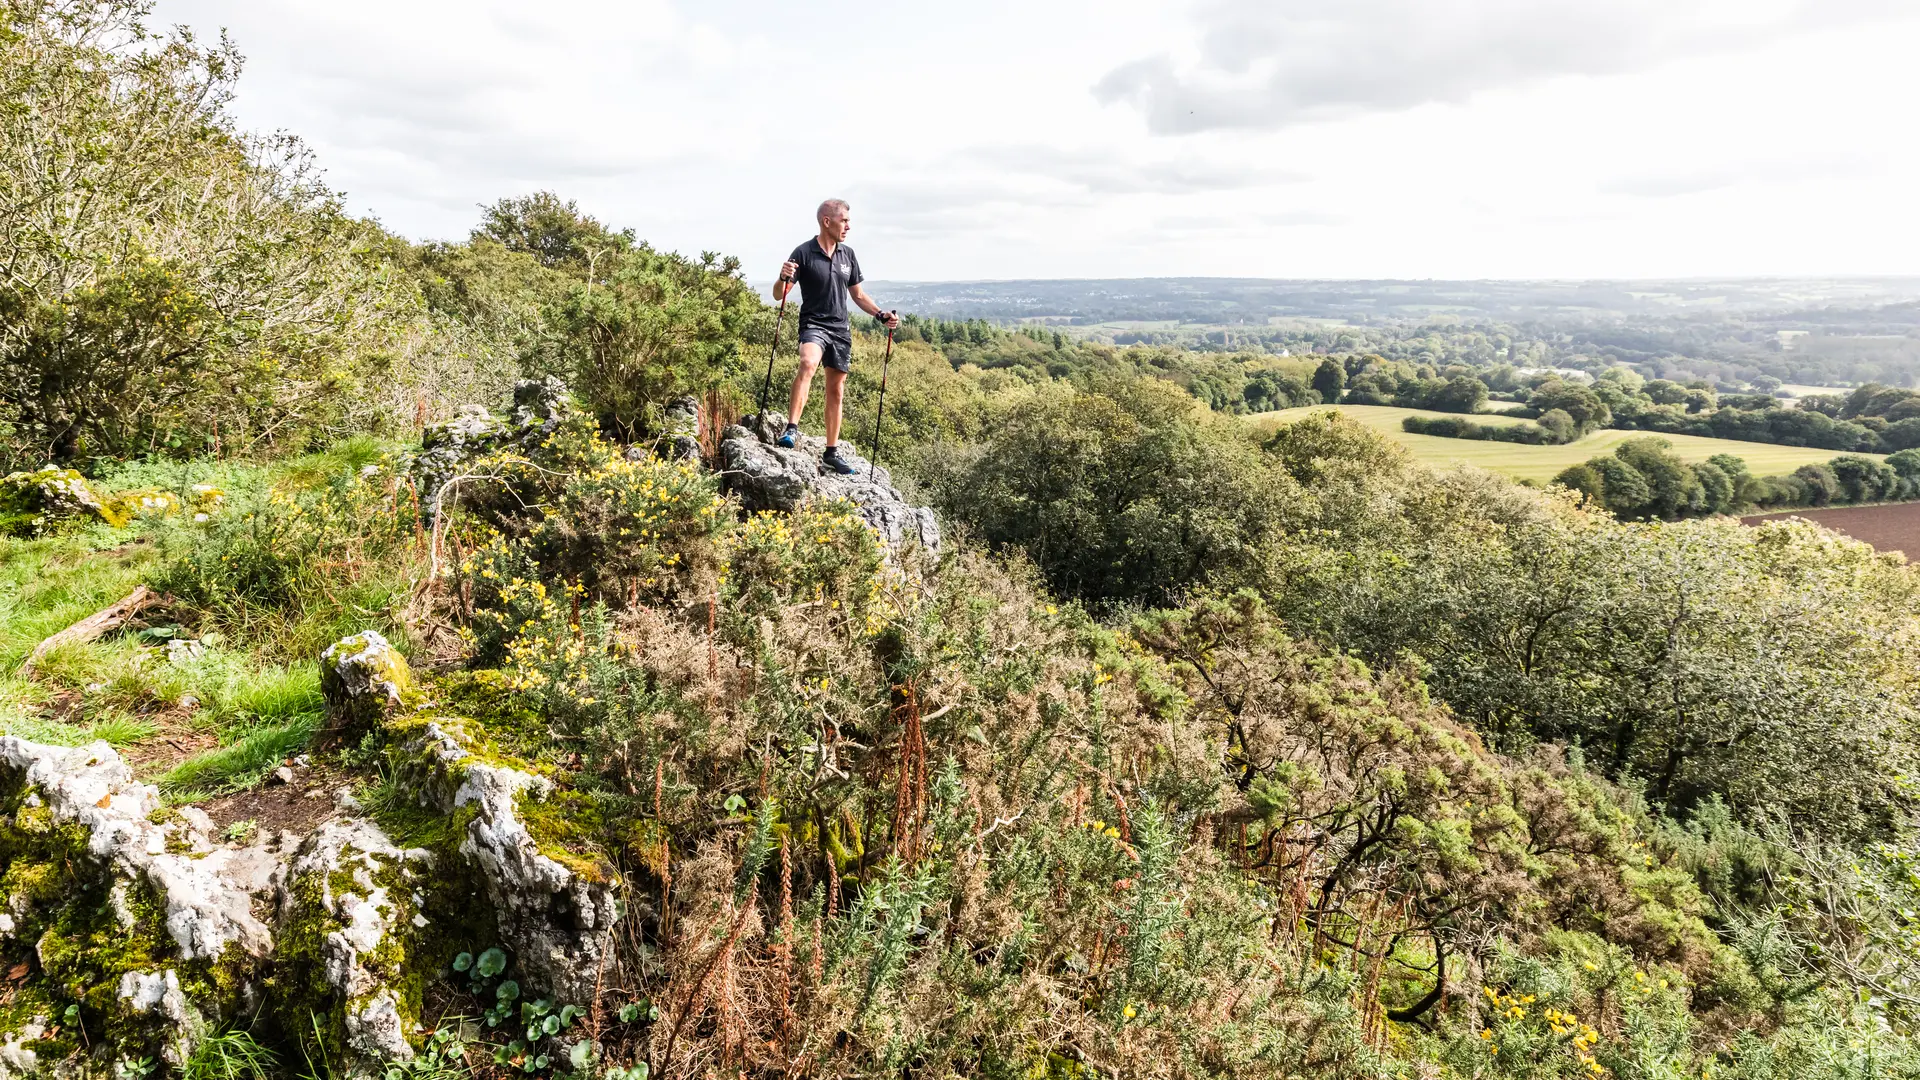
[1586, 480]
[1580, 402]
[1461, 393]
[171, 283]
[1902, 434]
[1734, 466]
[1559, 425]
[1717, 490]
[1821, 485]
[1863, 479]
[1123, 494]
[1624, 489]
[1664, 392]
[554, 232]
[1672, 487]
[1329, 379]
[1328, 446]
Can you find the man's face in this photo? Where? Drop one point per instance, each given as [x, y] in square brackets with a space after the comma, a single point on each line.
[837, 225]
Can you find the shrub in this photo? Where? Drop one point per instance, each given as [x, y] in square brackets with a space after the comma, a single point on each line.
[326, 552]
[656, 325]
[1119, 495]
[210, 292]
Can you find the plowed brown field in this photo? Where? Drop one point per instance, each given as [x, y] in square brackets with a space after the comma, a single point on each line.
[1895, 527]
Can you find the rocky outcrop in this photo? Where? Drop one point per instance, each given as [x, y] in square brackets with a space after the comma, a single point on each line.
[363, 678]
[206, 892]
[33, 502]
[184, 910]
[352, 906]
[767, 476]
[448, 449]
[682, 435]
[558, 915]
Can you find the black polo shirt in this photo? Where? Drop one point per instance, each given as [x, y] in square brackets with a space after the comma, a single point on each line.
[824, 280]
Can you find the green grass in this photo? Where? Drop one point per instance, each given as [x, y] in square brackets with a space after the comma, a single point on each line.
[230, 1055]
[260, 711]
[240, 764]
[1543, 463]
[48, 585]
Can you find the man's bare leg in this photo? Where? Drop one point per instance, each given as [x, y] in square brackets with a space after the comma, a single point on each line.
[836, 385]
[803, 381]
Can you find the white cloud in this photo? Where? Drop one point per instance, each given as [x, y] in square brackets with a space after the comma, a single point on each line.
[1448, 138]
[1267, 64]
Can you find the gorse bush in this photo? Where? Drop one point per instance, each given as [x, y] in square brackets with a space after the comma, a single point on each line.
[656, 325]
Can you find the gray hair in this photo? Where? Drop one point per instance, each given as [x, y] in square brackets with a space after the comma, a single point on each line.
[829, 208]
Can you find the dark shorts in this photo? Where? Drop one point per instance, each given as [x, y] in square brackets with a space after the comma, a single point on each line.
[836, 351]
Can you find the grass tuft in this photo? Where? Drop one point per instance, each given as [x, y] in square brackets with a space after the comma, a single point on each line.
[230, 1055]
[240, 764]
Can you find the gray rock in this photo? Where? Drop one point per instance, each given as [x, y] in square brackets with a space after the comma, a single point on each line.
[16, 1059]
[208, 899]
[560, 923]
[538, 407]
[362, 677]
[447, 449]
[361, 889]
[208, 895]
[682, 435]
[158, 993]
[771, 477]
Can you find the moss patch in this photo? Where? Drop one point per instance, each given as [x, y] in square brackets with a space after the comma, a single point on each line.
[82, 929]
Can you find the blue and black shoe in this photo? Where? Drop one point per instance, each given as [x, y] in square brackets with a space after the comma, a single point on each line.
[833, 461]
[790, 436]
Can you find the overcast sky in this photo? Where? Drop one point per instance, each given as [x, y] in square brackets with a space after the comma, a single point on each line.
[1120, 138]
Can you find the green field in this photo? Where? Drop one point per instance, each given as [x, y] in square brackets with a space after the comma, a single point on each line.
[1544, 462]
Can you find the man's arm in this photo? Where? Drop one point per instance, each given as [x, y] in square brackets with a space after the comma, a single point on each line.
[866, 304]
[784, 283]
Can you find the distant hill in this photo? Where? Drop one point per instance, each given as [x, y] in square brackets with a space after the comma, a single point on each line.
[1258, 300]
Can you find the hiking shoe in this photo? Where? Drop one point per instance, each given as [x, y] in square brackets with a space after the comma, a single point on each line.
[834, 462]
[790, 436]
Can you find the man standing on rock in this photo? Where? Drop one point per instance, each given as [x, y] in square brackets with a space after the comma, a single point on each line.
[828, 274]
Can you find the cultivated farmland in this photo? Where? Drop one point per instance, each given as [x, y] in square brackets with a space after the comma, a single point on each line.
[1542, 463]
[1893, 527]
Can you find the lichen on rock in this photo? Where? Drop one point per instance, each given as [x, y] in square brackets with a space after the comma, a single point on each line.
[363, 677]
[449, 449]
[352, 923]
[558, 918]
[34, 502]
[138, 920]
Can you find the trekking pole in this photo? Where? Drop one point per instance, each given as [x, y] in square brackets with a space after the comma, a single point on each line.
[771, 353]
[878, 419]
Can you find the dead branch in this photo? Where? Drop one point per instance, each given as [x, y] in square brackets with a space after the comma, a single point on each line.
[95, 626]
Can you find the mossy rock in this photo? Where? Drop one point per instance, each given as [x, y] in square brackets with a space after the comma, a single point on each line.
[363, 678]
[32, 503]
[143, 503]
